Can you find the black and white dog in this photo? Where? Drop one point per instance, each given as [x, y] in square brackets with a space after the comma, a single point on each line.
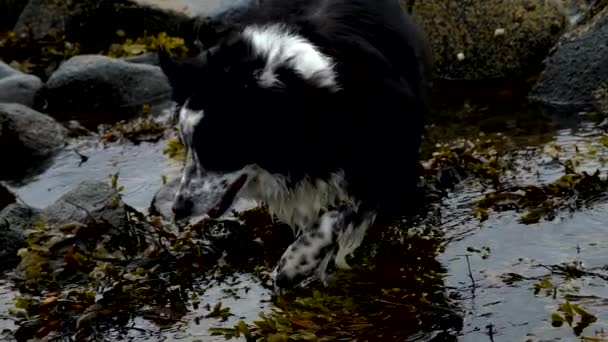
[314, 107]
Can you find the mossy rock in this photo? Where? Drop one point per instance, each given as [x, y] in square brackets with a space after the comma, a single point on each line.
[488, 39]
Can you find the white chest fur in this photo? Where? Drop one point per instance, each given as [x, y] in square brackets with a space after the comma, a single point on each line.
[299, 205]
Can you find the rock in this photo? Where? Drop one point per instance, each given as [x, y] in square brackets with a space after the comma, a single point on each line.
[19, 89]
[6, 197]
[163, 199]
[27, 138]
[94, 19]
[576, 74]
[88, 201]
[7, 71]
[16, 86]
[15, 219]
[488, 39]
[97, 89]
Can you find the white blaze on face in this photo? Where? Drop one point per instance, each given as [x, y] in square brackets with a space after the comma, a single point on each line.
[282, 48]
[188, 119]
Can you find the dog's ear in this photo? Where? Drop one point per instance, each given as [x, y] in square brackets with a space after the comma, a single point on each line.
[181, 73]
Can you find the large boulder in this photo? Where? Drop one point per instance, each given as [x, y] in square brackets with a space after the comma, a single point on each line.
[28, 138]
[96, 19]
[97, 89]
[488, 39]
[87, 202]
[576, 74]
[15, 219]
[17, 87]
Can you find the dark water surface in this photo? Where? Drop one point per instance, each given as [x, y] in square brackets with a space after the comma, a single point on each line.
[505, 258]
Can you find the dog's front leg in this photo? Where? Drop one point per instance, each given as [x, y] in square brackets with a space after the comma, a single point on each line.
[332, 237]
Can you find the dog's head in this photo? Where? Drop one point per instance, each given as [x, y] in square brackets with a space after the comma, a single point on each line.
[237, 100]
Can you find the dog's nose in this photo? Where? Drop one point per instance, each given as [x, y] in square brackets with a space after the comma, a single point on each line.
[181, 209]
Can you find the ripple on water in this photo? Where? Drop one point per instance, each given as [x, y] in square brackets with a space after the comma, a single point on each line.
[6, 298]
[502, 295]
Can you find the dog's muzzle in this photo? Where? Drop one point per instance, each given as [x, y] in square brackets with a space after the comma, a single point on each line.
[181, 208]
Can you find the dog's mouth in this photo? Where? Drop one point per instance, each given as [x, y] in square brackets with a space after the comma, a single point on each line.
[228, 198]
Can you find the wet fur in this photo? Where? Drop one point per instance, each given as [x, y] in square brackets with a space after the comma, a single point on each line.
[321, 104]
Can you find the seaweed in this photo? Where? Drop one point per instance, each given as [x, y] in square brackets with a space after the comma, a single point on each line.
[175, 150]
[147, 43]
[90, 280]
[42, 56]
[394, 290]
[141, 129]
[569, 192]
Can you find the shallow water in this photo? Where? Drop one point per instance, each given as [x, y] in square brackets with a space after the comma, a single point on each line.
[510, 307]
[140, 169]
[499, 306]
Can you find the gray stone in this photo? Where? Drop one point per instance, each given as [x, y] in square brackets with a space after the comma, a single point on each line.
[15, 219]
[163, 199]
[86, 202]
[97, 89]
[19, 89]
[576, 74]
[27, 138]
[7, 71]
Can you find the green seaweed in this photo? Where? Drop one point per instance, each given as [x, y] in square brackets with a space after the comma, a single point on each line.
[147, 43]
[394, 289]
[175, 150]
[567, 312]
[43, 55]
[141, 129]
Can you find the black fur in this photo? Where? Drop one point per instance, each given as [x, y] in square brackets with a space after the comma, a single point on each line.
[371, 128]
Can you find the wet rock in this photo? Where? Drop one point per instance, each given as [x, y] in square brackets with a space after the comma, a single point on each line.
[97, 89]
[488, 39]
[87, 202]
[19, 89]
[580, 11]
[163, 199]
[6, 197]
[95, 19]
[28, 138]
[576, 74]
[7, 71]
[15, 219]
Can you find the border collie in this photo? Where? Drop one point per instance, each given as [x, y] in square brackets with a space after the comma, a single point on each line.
[313, 107]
